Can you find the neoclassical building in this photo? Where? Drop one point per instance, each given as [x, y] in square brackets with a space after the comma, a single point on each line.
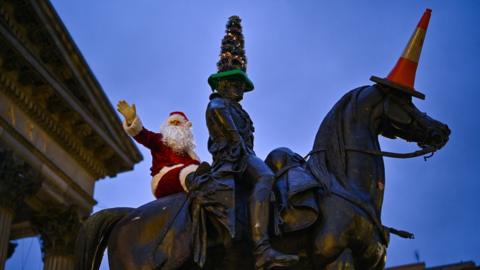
[59, 133]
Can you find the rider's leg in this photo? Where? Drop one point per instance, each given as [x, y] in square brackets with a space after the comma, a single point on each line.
[263, 178]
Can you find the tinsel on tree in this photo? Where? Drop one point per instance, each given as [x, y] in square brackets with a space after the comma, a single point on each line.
[232, 55]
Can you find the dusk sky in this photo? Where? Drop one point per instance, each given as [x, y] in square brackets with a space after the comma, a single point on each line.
[302, 57]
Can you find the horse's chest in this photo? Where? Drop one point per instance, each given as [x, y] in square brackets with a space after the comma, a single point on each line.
[365, 168]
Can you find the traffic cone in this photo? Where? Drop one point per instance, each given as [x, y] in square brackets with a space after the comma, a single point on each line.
[402, 76]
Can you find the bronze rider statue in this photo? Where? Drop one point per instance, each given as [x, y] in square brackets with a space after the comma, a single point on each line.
[231, 143]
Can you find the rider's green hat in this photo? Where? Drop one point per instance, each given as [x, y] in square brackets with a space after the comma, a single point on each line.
[236, 74]
[233, 62]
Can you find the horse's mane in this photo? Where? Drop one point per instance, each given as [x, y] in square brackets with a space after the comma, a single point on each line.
[328, 153]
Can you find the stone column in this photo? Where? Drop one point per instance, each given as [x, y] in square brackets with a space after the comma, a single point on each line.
[17, 181]
[58, 230]
[58, 262]
[6, 217]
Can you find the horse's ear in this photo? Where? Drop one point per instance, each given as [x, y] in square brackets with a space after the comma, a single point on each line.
[395, 112]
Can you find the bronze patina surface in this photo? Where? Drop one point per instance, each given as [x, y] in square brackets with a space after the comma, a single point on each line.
[170, 233]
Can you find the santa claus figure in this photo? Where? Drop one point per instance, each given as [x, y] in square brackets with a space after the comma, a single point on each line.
[172, 149]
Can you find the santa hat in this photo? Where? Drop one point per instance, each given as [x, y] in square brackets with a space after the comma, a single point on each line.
[402, 76]
[179, 116]
[233, 62]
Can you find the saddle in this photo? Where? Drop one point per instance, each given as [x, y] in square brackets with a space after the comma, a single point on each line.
[295, 192]
[295, 196]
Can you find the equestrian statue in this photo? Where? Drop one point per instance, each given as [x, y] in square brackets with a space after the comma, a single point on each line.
[284, 212]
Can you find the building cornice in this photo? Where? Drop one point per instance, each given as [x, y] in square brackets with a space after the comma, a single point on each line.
[50, 126]
[82, 71]
[100, 144]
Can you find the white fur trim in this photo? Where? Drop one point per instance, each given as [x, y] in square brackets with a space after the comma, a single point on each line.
[178, 117]
[193, 155]
[186, 171]
[157, 177]
[134, 128]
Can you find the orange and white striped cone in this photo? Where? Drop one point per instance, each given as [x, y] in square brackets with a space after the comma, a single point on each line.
[402, 76]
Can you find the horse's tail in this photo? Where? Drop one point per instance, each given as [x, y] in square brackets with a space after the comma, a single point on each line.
[93, 237]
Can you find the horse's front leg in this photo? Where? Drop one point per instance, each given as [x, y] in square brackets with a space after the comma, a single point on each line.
[343, 262]
[373, 257]
[370, 251]
[332, 235]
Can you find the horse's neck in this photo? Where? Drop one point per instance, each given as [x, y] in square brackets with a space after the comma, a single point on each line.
[365, 172]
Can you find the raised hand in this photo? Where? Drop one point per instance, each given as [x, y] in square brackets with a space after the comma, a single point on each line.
[129, 112]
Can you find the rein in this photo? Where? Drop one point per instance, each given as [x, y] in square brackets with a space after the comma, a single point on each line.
[423, 152]
[430, 150]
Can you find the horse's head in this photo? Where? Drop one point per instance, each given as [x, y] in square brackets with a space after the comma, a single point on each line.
[402, 119]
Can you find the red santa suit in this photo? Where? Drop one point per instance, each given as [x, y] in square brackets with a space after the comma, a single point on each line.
[169, 169]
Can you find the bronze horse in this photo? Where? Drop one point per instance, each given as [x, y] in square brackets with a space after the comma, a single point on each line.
[347, 163]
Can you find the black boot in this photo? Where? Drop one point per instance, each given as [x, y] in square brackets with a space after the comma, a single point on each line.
[265, 256]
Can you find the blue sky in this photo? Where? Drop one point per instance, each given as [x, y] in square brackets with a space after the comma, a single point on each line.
[303, 56]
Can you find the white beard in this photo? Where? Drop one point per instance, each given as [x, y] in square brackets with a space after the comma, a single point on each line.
[178, 138]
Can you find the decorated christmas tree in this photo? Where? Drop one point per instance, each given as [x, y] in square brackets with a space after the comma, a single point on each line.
[232, 55]
[232, 64]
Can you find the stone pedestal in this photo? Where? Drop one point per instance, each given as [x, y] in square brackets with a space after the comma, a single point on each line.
[6, 217]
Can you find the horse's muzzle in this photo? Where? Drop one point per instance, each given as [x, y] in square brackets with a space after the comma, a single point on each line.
[438, 136]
